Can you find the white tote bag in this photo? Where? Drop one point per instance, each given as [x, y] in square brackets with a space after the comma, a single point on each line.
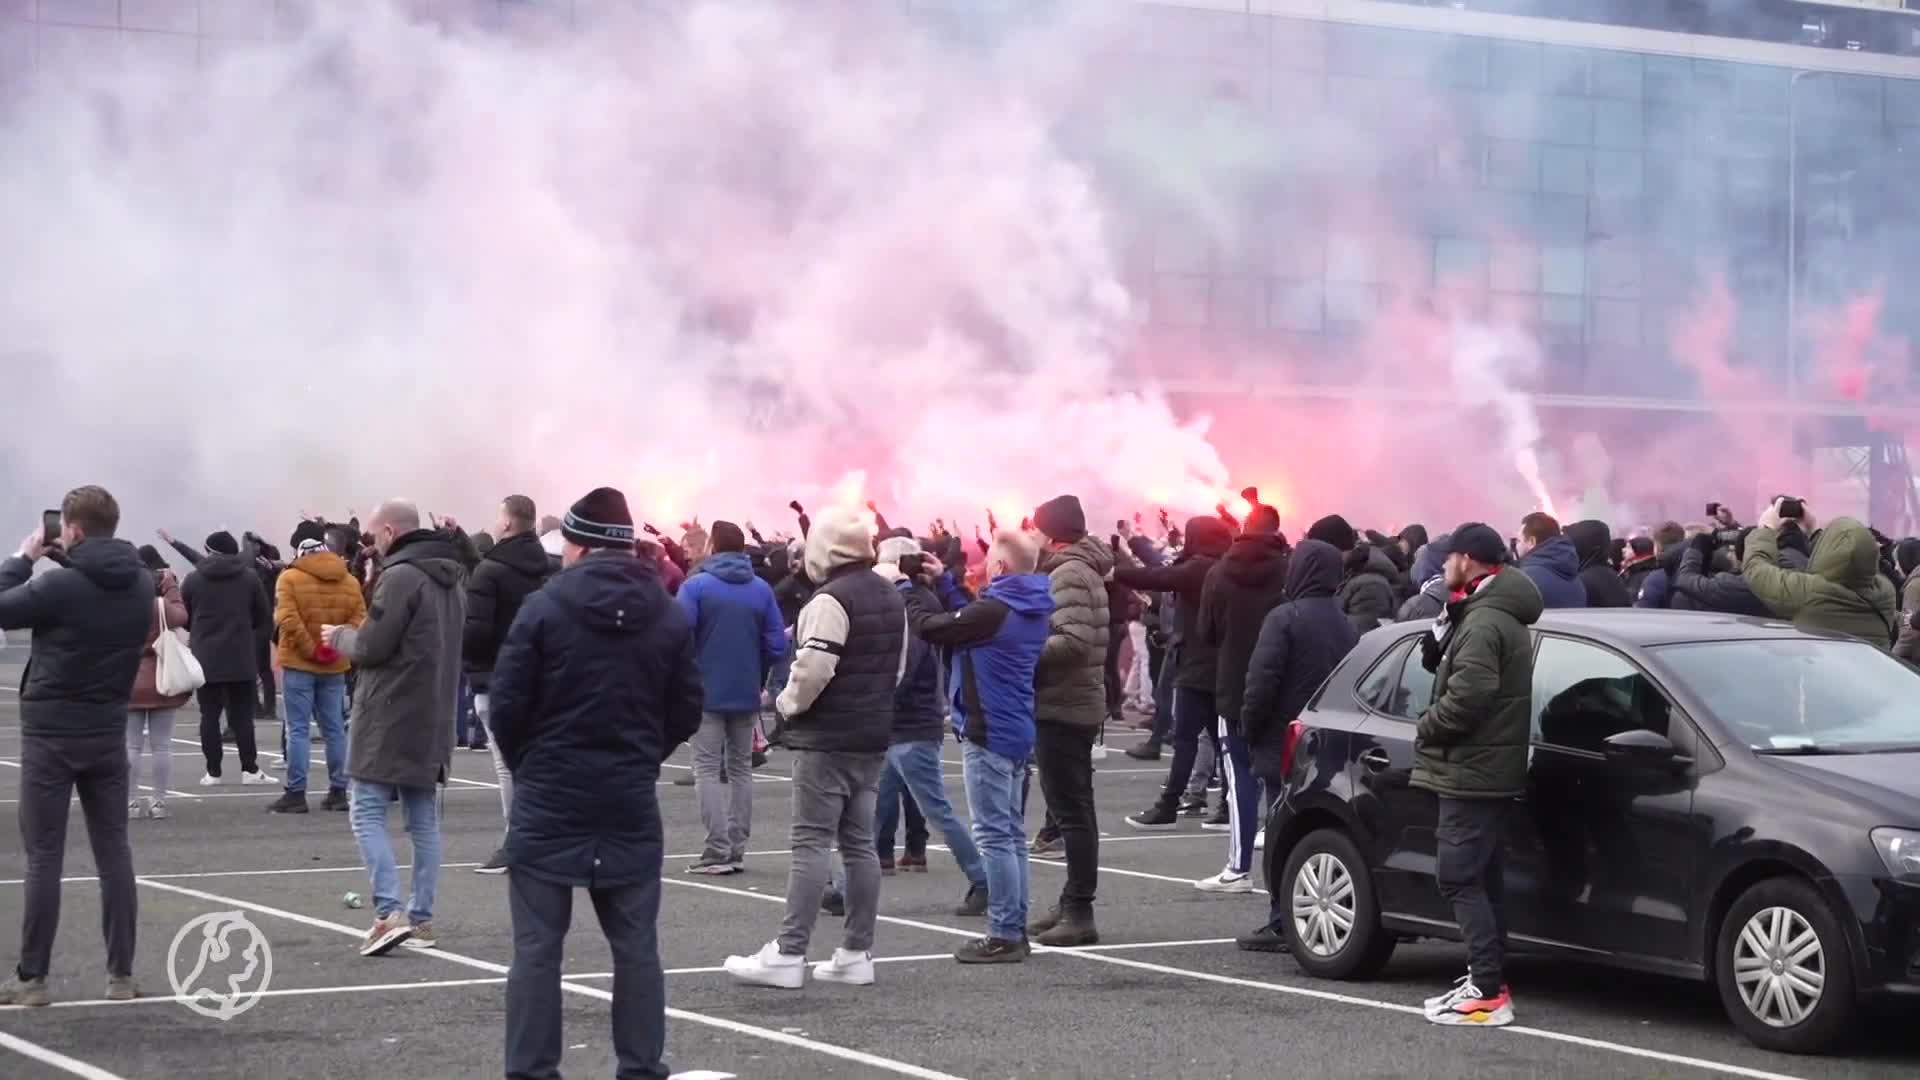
[176, 672]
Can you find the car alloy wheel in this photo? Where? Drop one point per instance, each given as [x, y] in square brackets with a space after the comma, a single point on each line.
[1323, 904]
[1779, 967]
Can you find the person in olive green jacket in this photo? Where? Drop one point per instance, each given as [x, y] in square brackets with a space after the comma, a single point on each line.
[1841, 590]
[1470, 750]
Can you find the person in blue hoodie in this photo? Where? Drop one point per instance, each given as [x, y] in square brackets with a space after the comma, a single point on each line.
[1551, 562]
[739, 634]
[995, 643]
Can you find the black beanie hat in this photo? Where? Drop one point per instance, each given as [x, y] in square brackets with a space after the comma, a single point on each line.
[725, 536]
[222, 543]
[599, 520]
[307, 530]
[1333, 529]
[151, 556]
[1061, 519]
[1478, 542]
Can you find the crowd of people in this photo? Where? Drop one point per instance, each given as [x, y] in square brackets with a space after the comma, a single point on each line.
[581, 651]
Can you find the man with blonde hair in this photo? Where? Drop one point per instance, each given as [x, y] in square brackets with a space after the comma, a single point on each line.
[996, 643]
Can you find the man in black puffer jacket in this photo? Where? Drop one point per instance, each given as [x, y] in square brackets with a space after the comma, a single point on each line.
[514, 569]
[90, 621]
[228, 616]
[1197, 672]
[1240, 590]
[1591, 542]
[1727, 593]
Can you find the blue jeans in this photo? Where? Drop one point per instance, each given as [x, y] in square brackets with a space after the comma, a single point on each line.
[915, 766]
[369, 819]
[993, 798]
[309, 697]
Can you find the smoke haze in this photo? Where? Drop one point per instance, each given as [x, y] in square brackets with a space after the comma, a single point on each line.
[726, 255]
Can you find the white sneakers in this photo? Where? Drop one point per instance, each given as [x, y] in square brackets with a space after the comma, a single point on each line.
[771, 967]
[251, 779]
[1226, 881]
[1260, 839]
[847, 966]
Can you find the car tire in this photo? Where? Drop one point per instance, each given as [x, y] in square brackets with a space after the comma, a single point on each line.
[1752, 963]
[1327, 866]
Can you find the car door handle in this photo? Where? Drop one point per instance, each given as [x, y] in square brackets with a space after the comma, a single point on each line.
[1376, 760]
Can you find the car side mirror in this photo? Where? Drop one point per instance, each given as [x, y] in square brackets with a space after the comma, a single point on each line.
[1642, 747]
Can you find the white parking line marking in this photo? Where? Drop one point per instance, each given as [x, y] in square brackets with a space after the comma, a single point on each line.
[767, 1034]
[55, 1058]
[1309, 992]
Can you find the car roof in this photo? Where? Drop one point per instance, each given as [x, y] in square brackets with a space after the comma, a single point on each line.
[1643, 627]
[1628, 628]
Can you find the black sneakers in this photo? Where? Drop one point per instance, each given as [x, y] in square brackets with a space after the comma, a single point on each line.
[1192, 806]
[991, 950]
[975, 904]
[834, 904]
[495, 865]
[1265, 939]
[288, 803]
[335, 800]
[1218, 818]
[1159, 818]
[1146, 751]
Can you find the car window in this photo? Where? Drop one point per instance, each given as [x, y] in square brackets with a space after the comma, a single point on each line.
[1373, 690]
[1583, 693]
[1801, 694]
[1412, 690]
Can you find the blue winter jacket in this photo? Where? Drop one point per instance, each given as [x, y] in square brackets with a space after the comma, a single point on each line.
[737, 630]
[996, 643]
[1554, 567]
[595, 685]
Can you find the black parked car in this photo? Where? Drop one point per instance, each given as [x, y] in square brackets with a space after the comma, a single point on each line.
[1724, 799]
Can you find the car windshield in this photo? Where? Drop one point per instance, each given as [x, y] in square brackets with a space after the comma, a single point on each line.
[1803, 695]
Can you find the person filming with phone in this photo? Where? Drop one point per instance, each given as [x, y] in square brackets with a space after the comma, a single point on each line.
[1841, 590]
[91, 622]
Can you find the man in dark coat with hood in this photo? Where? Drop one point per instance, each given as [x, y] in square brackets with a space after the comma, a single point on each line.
[227, 616]
[1592, 541]
[90, 620]
[1549, 560]
[1429, 576]
[1241, 589]
[1196, 674]
[512, 570]
[1300, 643]
[407, 654]
[595, 686]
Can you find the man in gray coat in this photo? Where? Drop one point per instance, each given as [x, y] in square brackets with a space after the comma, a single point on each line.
[407, 654]
[1070, 701]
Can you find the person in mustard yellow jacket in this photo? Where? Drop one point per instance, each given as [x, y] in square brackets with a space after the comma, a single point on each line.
[315, 590]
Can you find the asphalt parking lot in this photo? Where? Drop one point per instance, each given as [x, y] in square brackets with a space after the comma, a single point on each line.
[1165, 994]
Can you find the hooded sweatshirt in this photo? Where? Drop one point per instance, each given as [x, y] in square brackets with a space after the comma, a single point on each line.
[1299, 645]
[995, 642]
[1240, 590]
[1842, 589]
[1368, 595]
[1591, 539]
[737, 630]
[850, 645]
[89, 620]
[1429, 573]
[227, 615]
[1554, 568]
[1207, 541]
